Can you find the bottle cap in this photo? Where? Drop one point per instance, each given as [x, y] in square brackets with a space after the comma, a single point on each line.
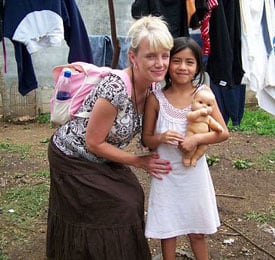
[67, 73]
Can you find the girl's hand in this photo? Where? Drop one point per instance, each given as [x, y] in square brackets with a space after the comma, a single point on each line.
[171, 137]
[154, 165]
[189, 144]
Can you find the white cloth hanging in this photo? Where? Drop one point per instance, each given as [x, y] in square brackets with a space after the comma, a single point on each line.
[258, 50]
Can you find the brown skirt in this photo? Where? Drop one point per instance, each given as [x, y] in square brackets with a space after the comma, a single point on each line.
[96, 211]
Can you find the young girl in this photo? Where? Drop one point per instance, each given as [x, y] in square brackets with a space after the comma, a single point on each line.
[182, 202]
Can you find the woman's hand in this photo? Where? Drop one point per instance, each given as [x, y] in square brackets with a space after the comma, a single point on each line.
[171, 137]
[154, 165]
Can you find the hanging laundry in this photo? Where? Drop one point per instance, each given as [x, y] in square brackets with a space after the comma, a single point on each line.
[32, 25]
[191, 10]
[196, 11]
[173, 11]
[102, 50]
[1, 19]
[212, 4]
[258, 56]
[224, 64]
[102, 47]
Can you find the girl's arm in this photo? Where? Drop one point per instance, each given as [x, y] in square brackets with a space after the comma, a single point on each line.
[150, 138]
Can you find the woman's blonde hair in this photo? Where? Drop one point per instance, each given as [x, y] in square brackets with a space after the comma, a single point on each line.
[153, 28]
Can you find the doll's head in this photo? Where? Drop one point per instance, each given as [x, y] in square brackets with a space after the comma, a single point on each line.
[203, 99]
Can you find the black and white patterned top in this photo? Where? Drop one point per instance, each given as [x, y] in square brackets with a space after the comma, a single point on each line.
[70, 138]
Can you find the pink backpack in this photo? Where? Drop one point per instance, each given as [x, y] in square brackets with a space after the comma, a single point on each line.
[84, 77]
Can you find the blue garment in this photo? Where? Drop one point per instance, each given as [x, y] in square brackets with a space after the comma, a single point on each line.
[123, 56]
[103, 50]
[266, 34]
[75, 35]
[197, 38]
[231, 101]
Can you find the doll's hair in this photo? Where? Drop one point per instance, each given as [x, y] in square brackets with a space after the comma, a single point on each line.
[181, 43]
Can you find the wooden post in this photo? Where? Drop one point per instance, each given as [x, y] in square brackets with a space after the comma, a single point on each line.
[116, 45]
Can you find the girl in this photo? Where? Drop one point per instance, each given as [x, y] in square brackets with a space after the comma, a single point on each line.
[182, 202]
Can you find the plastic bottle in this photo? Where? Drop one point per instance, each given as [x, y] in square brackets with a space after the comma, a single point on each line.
[63, 85]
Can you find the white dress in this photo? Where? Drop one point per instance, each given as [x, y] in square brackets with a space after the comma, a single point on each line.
[184, 201]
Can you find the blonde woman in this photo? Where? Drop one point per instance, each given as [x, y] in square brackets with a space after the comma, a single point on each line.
[96, 204]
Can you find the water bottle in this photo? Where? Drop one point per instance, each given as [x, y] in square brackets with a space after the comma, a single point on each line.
[63, 85]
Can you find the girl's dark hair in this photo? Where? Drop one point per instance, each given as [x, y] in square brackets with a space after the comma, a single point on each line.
[182, 43]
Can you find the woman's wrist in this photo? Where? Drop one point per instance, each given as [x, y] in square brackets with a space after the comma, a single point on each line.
[135, 161]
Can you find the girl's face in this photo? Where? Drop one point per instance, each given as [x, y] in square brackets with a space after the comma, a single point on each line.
[151, 65]
[183, 67]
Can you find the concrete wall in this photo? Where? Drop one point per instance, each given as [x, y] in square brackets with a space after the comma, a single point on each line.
[95, 14]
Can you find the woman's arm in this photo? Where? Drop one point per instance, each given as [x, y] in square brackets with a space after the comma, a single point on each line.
[99, 125]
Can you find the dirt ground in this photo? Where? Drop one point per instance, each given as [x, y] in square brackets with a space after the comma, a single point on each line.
[239, 192]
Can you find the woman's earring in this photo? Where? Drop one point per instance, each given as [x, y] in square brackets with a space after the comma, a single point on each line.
[135, 65]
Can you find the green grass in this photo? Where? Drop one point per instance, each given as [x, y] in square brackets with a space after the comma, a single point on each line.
[267, 161]
[44, 118]
[23, 150]
[212, 160]
[2, 256]
[262, 123]
[262, 217]
[256, 121]
[242, 164]
[27, 203]
[23, 208]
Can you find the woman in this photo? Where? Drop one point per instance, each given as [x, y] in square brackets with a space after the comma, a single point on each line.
[183, 202]
[96, 204]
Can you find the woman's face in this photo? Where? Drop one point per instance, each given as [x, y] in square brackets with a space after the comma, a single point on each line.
[183, 67]
[151, 65]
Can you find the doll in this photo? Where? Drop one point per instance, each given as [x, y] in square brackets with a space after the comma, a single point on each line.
[200, 121]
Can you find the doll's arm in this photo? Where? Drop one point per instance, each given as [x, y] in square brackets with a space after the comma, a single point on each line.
[194, 115]
[214, 125]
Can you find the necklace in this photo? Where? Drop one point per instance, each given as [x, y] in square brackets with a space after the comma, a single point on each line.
[140, 116]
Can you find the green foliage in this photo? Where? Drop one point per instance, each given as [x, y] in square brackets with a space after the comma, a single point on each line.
[44, 118]
[27, 202]
[267, 161]
[45, 140]
[212, 160]
[23, 207]
[242, 164]
[256, 121]
[42, 173]
[22, 149]
[3, 257]
[262, 217]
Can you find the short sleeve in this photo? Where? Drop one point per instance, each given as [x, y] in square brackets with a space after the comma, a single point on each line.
[113, 89]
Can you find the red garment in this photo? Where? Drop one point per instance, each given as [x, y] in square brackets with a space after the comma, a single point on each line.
[205, 27]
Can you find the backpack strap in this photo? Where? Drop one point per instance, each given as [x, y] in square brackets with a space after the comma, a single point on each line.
[127, 81]
[81, 67]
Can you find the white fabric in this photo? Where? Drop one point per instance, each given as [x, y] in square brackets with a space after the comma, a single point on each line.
[184, 201]
[258, 65]
[40, 29]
